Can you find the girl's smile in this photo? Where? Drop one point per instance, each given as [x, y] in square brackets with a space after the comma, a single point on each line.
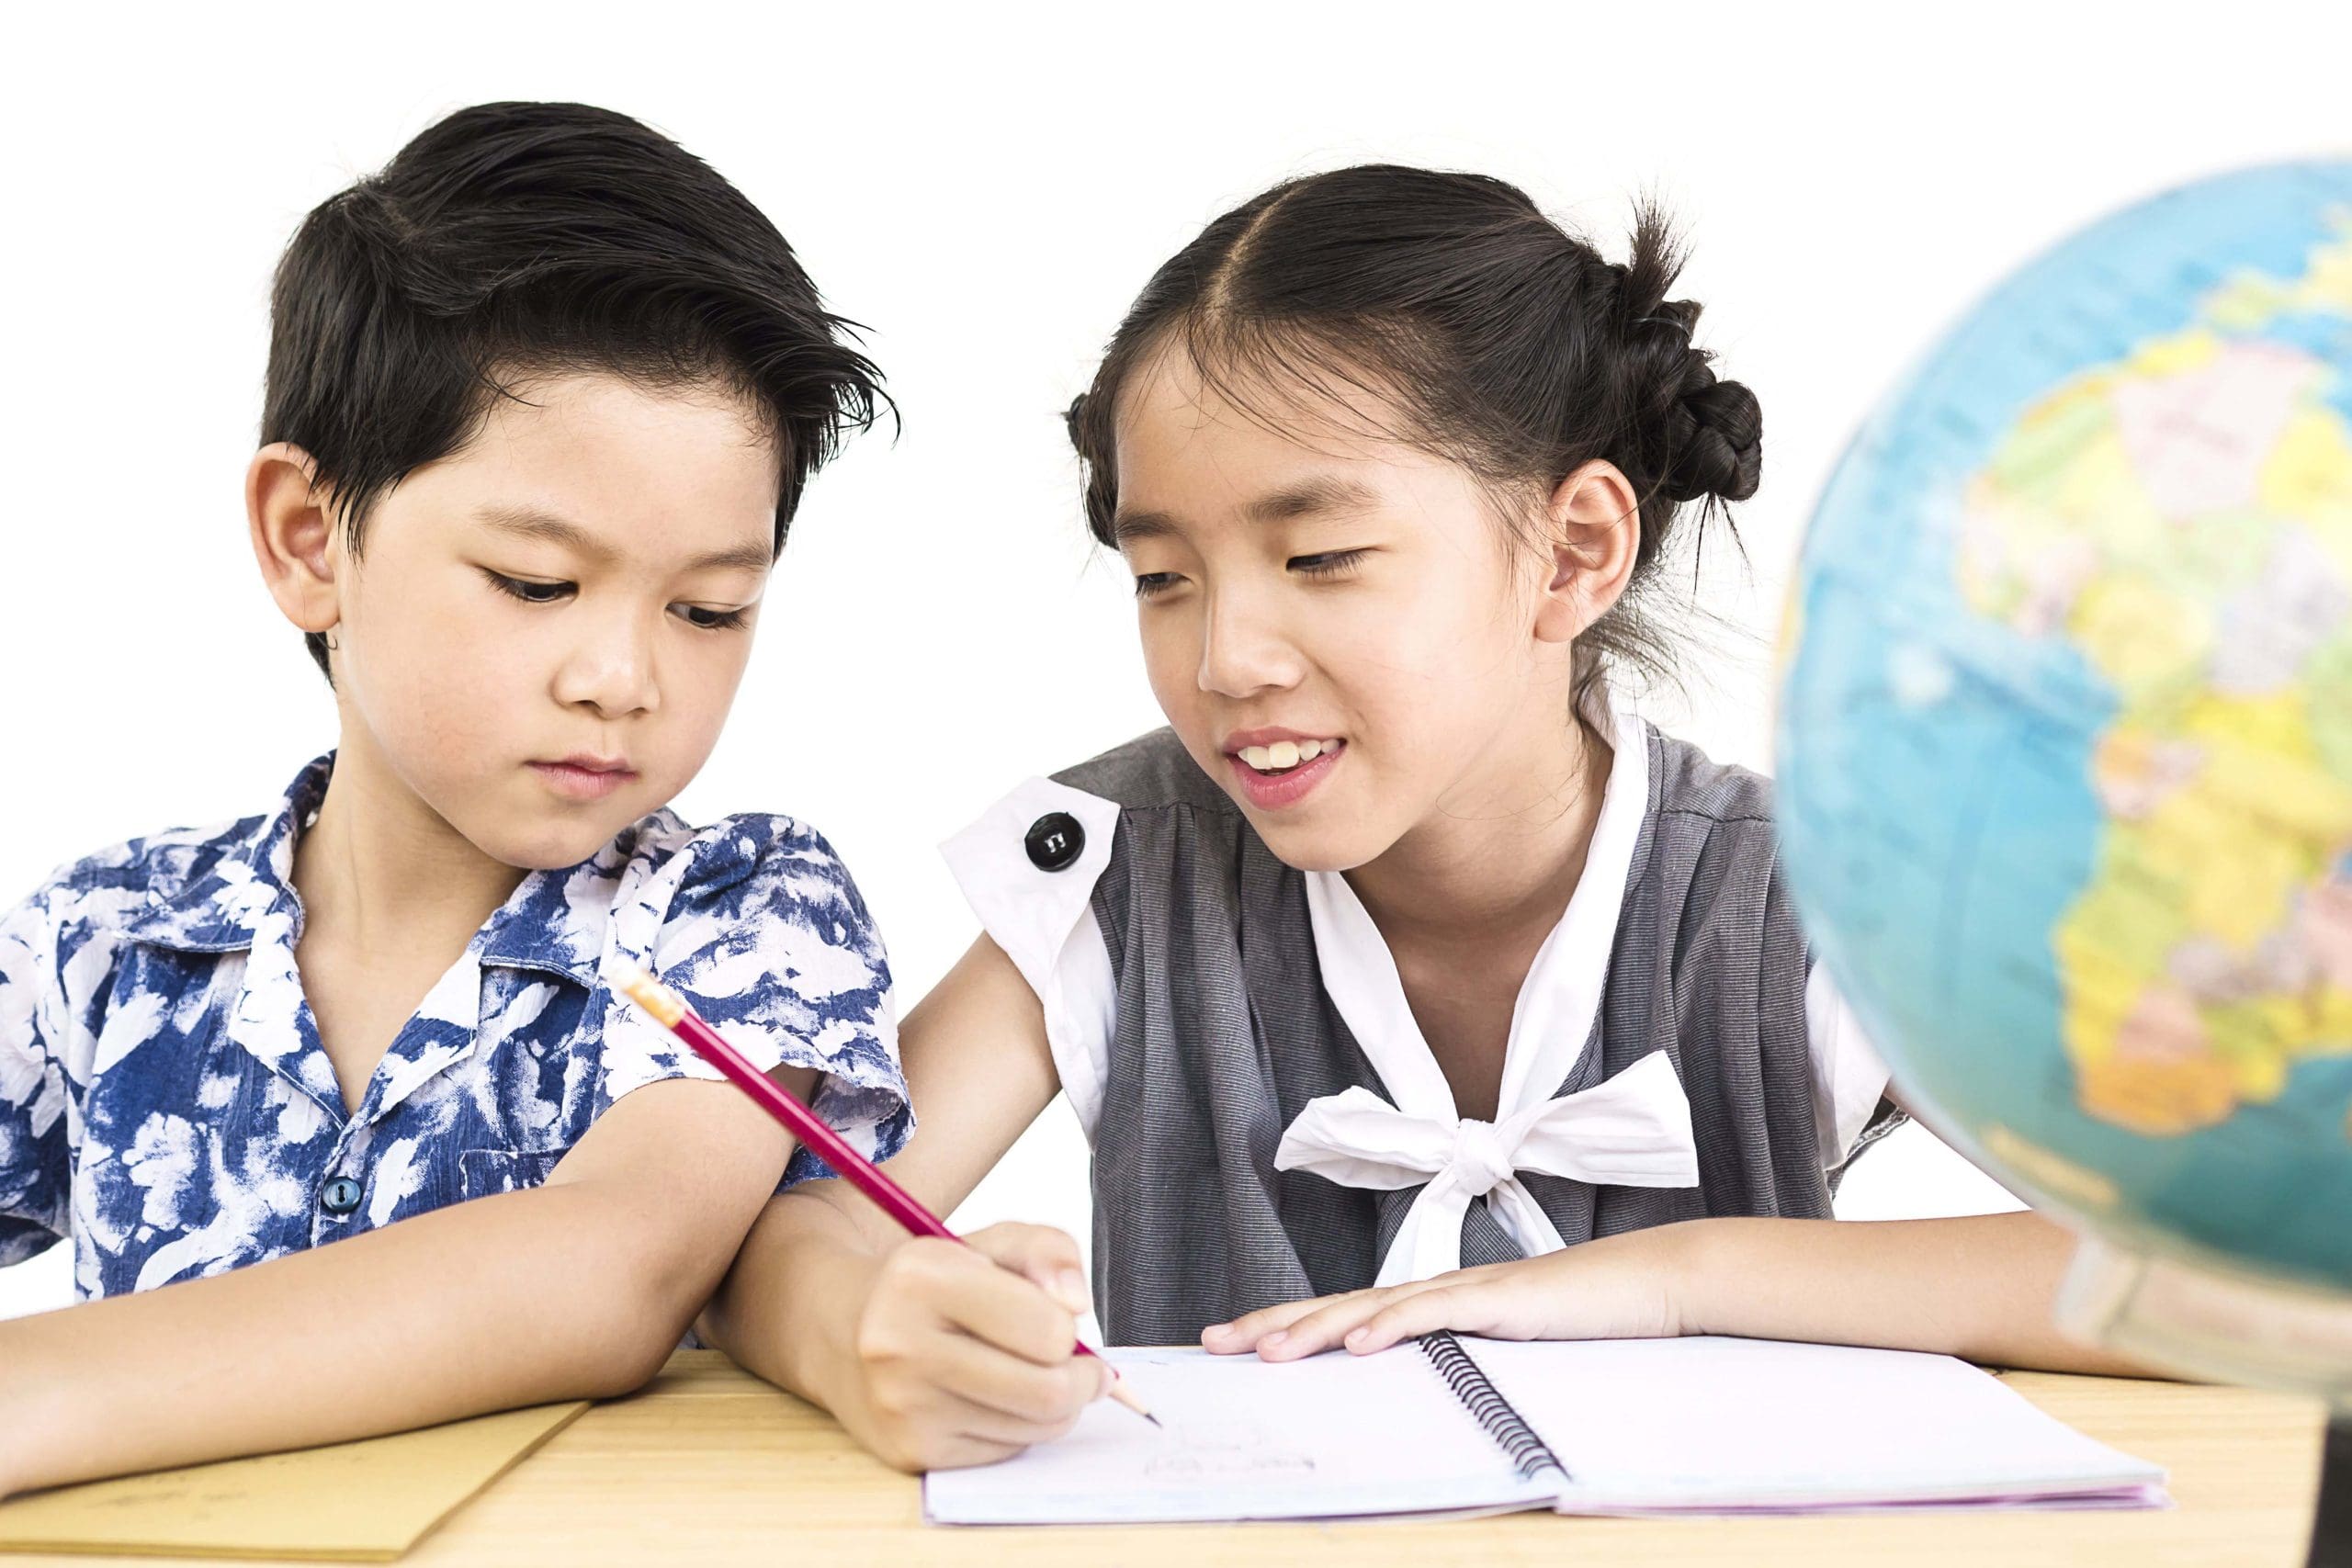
[1283, 772]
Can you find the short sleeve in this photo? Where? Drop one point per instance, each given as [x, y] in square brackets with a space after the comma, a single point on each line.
[36, 1173]
[764, 934]
[1850, 1105]
[1043, 917]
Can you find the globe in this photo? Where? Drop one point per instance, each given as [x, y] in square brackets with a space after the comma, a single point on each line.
[2065, 749]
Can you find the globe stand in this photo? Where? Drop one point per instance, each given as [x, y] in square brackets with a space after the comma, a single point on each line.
[2332, 1526]
[2206, 1321]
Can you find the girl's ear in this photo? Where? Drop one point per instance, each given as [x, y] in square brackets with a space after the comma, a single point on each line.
[293, 536]
[1595, 524]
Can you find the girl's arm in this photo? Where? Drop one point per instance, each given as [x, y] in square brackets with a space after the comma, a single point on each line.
[933, 1355]
[579, 1289]
[1980, 1288]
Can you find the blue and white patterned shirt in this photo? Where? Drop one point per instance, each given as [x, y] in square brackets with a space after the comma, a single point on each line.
[165, 1100]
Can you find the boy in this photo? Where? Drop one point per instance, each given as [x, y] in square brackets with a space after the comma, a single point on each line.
[542, 397]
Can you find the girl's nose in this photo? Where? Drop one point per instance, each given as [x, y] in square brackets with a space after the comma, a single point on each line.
[1243, 650]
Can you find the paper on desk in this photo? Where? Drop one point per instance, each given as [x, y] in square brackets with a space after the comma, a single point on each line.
[367, 1501]
[1753, 1424]
[1326, 1439]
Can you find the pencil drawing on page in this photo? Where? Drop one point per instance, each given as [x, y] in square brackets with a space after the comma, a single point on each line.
[1200, 1448]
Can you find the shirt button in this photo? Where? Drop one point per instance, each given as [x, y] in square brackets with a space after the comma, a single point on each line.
[340, 1197]
[1055, 841]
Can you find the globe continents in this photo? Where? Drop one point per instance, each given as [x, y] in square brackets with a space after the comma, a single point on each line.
[2066, 729]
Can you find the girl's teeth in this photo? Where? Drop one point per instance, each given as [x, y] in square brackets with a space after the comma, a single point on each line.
[1285, 754]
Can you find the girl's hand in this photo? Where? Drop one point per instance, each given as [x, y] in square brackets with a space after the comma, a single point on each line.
[965, 1355]
[1620, 1287]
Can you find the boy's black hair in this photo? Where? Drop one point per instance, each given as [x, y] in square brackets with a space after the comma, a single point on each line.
[1505, 343]
[519, 238]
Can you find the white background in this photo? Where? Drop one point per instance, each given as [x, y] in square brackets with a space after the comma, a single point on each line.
[987, 188]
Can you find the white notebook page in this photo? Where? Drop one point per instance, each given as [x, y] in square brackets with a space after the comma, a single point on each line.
[1324, 1438]
[1752, 1422]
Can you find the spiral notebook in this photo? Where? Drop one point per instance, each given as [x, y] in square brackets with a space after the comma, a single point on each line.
[1450, 1425]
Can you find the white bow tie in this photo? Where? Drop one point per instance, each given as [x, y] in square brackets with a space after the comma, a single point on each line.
[1631, 1130]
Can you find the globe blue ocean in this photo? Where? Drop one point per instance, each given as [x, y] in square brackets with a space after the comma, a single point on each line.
[1980, 638]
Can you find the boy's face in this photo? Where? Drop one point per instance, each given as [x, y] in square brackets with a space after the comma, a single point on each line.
[542, 634]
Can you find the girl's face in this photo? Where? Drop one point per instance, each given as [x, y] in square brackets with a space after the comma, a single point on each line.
[1338, 627]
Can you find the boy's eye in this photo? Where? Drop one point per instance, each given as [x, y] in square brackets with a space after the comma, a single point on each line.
[525, 590]
[1150, 585]
[1329, 563]
[711, 620]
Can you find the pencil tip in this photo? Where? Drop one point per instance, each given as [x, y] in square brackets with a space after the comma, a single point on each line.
[1153, 1419]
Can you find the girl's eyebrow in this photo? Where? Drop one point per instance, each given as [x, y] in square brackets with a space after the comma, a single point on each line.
[530, 523]
[1305, 498]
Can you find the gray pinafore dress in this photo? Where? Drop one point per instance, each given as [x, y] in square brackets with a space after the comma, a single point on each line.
[1224, 1032]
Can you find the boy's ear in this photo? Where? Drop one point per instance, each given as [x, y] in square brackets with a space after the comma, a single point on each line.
[1594, 523]
[293, 536]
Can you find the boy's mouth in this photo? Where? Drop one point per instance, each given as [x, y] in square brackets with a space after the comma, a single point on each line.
[584, 777]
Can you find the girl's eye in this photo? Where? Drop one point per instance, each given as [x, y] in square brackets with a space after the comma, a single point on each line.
[1151, 584]
[1330, 563]
[525, 590]
[712, 620]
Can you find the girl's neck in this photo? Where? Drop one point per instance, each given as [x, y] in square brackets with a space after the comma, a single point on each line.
[380, 870]
[1502, 853]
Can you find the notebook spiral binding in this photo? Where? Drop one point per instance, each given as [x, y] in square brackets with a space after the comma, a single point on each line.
[1510, 1430]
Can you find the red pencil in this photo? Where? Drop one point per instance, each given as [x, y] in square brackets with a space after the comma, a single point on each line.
[669, 1009]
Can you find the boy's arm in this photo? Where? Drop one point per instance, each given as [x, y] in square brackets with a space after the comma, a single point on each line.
[930, 1354]
[575, 1289]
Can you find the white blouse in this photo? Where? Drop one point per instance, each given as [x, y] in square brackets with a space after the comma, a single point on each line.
[1632, 1129]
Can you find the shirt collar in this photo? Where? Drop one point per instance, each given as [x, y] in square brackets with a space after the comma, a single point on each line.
[553, 922]
[1553, 1015]
[220, 910]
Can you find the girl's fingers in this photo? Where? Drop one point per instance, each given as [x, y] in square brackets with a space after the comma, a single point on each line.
[1331, 1322]
[1001, 1307]
[1460, 1307]
[1046, 1398]
[1038, 1253]
[1246, 1332]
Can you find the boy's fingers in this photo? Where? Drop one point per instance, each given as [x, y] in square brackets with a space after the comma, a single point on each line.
[1040, 1254]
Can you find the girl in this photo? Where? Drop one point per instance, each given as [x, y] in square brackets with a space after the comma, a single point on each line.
[1406, 946]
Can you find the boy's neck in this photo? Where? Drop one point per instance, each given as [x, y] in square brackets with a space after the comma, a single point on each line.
[1499, 859]
[381, 871]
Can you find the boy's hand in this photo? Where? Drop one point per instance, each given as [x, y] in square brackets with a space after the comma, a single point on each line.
[965, 1355]
[1621, 1287]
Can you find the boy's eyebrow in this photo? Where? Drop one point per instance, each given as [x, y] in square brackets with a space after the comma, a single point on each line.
[530, 523]
[1324, 492]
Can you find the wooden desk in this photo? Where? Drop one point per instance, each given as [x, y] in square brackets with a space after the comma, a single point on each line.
[711, 1467]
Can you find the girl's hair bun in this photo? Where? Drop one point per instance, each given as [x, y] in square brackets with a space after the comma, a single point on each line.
[1713, 440]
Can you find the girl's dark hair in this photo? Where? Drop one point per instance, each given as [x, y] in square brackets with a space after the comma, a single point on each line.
[1506, 344]
[518, 239]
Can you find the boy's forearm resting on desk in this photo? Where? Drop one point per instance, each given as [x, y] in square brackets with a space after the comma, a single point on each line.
[575, 1289]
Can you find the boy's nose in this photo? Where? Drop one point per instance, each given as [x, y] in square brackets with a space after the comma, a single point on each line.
[612, 672]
